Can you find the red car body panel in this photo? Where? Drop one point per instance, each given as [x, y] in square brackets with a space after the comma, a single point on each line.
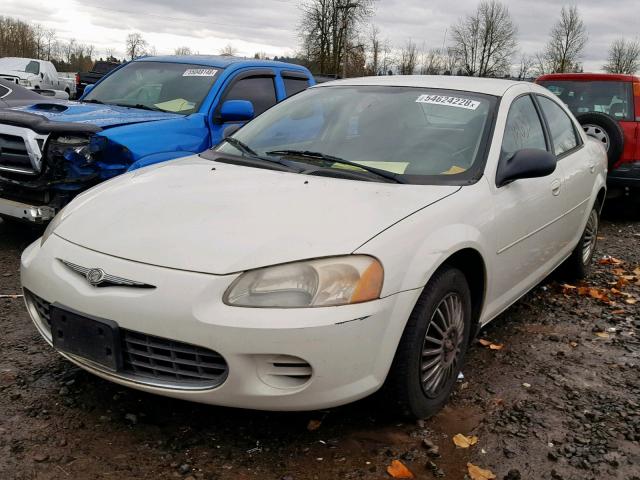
[630, 158]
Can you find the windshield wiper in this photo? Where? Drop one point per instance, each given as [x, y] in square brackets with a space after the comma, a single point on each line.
[330, 158]
[93, 101]
[248, 152]
[243, 147]
[140, 106]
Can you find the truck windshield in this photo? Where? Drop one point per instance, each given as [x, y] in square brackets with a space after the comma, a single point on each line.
[170, 87]
[423, 135]
[612, 98]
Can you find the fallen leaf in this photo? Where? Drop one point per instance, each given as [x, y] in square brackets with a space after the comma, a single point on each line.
[477, 473]
[397, 469]
[602, 334]
[573, 344]
[313, 425]
[463, 441]
[618, 271]
[484, 342]
[636, 271]
[617, 312]
[526, 385]
[566, 288]
[496, 346]
[606, 260]
[631, 301]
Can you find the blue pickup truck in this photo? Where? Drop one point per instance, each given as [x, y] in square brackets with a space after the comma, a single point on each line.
[147, 111]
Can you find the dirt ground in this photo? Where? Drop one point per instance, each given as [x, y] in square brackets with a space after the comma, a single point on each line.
[560, 400]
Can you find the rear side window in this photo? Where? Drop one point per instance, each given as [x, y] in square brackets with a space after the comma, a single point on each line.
[612, 98]
[561, 127]
[258, 90]
[523, 128]
[293, 85]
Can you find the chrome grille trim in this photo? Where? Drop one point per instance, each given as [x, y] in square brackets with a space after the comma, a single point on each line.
[33, 151]
[107, 280]
[154, 361]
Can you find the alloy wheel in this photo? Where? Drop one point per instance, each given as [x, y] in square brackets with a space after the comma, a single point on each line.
[442, 346]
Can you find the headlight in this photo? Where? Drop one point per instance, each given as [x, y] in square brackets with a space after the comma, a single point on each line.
[79, 150]
[313, 283]
[24, 82]
[53, 224]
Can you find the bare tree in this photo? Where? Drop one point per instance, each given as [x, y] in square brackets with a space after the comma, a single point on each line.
[485, 41]
[408, 58]
[229, 50]
[433, 62]
[567, 40]
[526, 66]
[623, 57]
[182, 51]
[135, 45]
[329, 31]
[375, 45]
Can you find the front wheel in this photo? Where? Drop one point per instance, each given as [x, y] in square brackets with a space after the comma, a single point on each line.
[433, 345]
[577, 266]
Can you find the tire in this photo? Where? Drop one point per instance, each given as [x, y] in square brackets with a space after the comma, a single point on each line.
[578, 265]
[447, 293]
[606, 129]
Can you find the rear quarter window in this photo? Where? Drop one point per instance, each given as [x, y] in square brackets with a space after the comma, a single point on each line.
[613, 98]
[295, 85]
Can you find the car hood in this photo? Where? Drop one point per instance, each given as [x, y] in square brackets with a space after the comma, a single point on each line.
[101, 115]
[199, 215]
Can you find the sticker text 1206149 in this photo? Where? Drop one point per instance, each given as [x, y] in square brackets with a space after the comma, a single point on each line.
[449, 101]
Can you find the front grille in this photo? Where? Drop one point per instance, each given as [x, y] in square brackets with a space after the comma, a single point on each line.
[14, 155]
[158, 361]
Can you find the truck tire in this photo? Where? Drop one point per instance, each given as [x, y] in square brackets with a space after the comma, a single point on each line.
[606, 129]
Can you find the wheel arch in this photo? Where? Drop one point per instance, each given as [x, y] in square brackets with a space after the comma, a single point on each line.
[471, 263]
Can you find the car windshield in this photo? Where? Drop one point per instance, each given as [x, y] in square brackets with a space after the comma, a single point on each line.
[419, 134]
[170, 87]
[612, 98]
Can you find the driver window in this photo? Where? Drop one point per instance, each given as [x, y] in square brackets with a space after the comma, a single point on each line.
[523, 129]
[33, 67]
[260, 91]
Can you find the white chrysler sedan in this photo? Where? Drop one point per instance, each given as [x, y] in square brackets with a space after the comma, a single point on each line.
[356, 234]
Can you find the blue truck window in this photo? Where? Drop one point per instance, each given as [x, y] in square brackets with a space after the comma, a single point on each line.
[295, 85]
[260, 91]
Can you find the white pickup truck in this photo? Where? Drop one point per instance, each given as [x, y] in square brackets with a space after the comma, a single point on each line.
[35, 74]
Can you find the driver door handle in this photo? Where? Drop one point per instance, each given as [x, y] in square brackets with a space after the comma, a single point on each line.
[555, 187]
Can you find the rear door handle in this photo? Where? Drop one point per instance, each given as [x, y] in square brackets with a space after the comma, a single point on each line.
[555, 187]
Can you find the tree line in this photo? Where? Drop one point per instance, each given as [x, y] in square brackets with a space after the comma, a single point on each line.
[338, 38]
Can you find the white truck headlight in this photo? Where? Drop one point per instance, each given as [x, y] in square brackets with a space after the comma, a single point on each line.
[314, 283]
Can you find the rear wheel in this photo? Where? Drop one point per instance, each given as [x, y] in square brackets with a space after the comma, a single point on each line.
[433, 345]
[577, 266]
[606, 130]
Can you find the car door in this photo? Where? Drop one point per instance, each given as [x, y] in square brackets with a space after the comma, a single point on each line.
[257, 86]
[527, 228]
[578, 167]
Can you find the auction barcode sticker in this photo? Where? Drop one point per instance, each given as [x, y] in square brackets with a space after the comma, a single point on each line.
[449, 101]
[200, 72]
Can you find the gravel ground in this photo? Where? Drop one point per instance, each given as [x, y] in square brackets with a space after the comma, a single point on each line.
[559, 400]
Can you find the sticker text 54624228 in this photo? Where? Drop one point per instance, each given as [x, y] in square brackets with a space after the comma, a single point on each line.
[449, 101]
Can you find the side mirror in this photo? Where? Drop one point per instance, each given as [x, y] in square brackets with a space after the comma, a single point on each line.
[236, 111]
[526, 163]
[42, 75]
[87, 89]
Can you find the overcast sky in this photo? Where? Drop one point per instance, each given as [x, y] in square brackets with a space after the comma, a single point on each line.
[270, 25]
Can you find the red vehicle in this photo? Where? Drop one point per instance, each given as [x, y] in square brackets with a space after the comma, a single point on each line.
[608, 108]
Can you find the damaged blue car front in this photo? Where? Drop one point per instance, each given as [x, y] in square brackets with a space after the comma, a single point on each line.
[148, 111]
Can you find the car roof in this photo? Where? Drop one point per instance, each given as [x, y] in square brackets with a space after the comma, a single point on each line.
[218, 61]
[589, 77]
[489, 86]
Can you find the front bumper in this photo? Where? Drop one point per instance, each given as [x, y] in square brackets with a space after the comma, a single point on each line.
[25, 211]
[348, 350]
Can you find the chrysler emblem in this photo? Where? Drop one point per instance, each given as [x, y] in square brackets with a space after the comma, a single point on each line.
[95, 276]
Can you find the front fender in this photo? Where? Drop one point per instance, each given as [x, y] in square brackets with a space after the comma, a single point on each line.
[157, 158]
